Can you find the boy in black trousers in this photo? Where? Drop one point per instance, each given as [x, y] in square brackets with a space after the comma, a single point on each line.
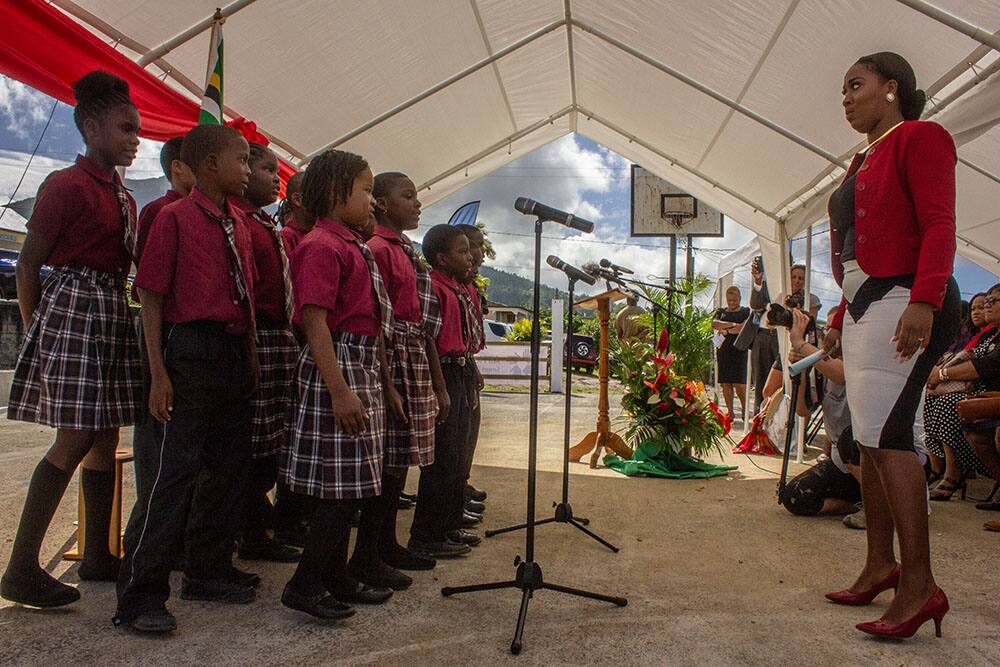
[196, 283]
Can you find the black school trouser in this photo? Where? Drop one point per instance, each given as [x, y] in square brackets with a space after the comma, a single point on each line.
[466, 456]
[202, 453]
[442, 483]
[262, 473]
[764, 352]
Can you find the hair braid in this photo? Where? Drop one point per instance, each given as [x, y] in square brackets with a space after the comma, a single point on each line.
[328, 180]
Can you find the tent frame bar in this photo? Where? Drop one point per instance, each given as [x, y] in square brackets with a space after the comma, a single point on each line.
[506, 141]
[441, 85]
[190, 33]
[568, 15]
[678, 163]
[981, 35]
[707, 90]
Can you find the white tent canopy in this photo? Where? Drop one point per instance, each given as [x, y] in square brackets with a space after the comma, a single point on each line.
[737, 101]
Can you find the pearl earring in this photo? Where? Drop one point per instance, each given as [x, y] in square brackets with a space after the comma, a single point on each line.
[889, 97]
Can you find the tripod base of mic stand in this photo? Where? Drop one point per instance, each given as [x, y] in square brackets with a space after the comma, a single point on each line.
[529, 579]
[564, 514]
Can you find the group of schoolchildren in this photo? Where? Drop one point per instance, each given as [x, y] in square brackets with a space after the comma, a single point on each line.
[316, 354]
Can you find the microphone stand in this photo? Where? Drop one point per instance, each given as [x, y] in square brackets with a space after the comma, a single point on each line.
[789, 428]
[671, 291]
[528, 576]
[563, 510]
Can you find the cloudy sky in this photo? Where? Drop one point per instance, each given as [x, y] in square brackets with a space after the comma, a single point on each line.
[573, 174]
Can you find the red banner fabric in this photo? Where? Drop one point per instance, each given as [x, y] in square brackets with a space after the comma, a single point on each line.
[47, 50]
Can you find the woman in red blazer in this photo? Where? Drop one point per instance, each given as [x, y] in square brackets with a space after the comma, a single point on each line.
[892, 236]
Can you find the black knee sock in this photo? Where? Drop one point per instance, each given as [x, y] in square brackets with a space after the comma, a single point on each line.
[328, 526]
[48, 483]
[366, 548]
[98, 497]
[391, 488]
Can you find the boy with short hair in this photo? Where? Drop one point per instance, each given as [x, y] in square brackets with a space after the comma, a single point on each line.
[181, 180]
[442, 483]
[196, 281]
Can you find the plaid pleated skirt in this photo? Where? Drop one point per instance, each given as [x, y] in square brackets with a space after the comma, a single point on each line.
[79, 367]
[277, 352]
[411, 444]
[319, 459]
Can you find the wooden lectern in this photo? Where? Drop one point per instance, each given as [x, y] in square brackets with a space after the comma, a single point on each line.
[602, 437]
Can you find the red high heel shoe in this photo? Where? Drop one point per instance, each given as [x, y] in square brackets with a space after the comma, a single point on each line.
[935, 607]
[865, 597]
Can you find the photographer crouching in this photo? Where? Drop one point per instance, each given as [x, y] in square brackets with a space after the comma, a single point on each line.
[833, 485]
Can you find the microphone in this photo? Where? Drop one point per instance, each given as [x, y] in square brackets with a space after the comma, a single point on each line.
[805, 363]
[543, 212]
[597, 272]
[570, 270]
[607, 264]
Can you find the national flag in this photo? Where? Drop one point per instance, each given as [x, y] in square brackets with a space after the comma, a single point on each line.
[211, 101]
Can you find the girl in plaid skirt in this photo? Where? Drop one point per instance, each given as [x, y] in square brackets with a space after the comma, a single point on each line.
[413, 370]
[78, 369]
[277, 349]
[336, 421]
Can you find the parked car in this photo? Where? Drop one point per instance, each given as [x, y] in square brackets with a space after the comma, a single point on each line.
[495, 331]
[584, 352]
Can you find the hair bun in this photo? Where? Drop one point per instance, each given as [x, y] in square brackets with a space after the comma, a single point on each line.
[912, 106]
[99, 85]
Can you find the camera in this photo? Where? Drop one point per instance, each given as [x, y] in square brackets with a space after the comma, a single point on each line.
[797, 300]
[781, 316]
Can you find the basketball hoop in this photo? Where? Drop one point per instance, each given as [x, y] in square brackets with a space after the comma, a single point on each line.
[677, 220]
[660, 208]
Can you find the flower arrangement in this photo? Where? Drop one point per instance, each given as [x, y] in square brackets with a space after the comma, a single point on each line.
[664, 407]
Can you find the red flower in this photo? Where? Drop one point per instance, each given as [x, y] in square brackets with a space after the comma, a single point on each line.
[684, 422]
[664, 342]
[248, 129]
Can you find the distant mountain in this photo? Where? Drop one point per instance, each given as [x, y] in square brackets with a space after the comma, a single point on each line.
[513, 290]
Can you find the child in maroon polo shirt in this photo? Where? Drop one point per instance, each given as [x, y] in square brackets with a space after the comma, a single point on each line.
[181, 180]
[294, 221]
[78, 368]
[442, 485]
[336, 421]
[473, 508]
[413, 369]
[277, 350]
[196, 281]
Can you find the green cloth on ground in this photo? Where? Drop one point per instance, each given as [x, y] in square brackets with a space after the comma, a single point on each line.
[652, 460]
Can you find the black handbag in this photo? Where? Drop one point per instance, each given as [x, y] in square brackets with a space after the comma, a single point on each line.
[745, 338]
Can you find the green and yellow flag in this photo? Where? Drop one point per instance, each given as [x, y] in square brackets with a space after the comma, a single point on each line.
[211, 101]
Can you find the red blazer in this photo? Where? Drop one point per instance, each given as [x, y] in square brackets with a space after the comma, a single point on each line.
[904, 211]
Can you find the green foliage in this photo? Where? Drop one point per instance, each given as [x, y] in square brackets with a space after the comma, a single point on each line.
[691, 329]
[521, 331]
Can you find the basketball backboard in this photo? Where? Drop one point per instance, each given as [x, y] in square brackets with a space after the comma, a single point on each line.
[662, 209]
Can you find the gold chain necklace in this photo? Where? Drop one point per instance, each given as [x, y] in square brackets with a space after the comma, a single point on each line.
[884, 135]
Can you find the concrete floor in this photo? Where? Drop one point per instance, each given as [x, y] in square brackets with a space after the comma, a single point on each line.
[714, 571]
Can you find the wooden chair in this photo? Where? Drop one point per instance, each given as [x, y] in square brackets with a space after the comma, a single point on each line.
[123, 455]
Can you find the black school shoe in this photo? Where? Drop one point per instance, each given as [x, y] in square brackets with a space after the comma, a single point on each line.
[36, 589]
[445, 549]
[401, 558]
[104, 570]
[217, 590]
[157, 622]
[472, 493]
[475, 506]
[379, 575]
[293, 537]
[405, 502]
[242, 577]
[464, 536]
[269, 550]
[322, 605]
[470, 519]
[359, 592]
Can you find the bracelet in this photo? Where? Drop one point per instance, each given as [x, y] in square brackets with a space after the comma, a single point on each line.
[943, 374]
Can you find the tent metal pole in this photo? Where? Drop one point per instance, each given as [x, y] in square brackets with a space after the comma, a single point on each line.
[190, 33]
[809, 304]
[675, 162]
[454, 78]
[523, 132]
[568, 14]
[981, 35]
[980, 170]
[711, 92]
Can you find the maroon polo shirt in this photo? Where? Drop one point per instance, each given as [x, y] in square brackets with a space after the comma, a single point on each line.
[77, 210]
[451, 341]
[329, 271]
[186, 259]
[269, 287]
[398, 273]
[292, 234]
[146, 217]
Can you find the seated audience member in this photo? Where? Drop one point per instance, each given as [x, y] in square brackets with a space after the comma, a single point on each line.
[973, 320]
[942, 423]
